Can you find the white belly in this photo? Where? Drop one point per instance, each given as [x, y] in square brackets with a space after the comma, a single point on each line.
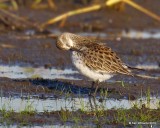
[93, 75]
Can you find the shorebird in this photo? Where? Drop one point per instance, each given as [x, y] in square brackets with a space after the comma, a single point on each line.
[92, 58]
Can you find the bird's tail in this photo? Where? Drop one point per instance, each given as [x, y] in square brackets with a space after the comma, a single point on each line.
[147, 77]
[134, 68]
[140, 75]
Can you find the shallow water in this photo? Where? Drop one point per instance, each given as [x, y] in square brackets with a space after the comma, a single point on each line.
[73, 104]
[148, 66]
[134, 34]
[131, 34]
[17, 72]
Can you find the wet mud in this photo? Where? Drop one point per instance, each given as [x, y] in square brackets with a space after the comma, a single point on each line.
[27, 49]
[43, 52]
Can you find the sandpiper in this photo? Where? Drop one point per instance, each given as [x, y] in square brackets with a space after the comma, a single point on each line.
[92, 58]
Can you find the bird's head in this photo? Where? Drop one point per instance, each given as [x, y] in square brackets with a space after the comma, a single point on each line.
[65, 41]
[69, 41]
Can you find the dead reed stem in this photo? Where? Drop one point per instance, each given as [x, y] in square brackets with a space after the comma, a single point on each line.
[97, 7]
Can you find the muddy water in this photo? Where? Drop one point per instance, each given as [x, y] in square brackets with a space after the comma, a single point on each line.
[52, 104]
[131, 34]
[133, 46]
[55, 104]
[18, 72]
[83, 102]
[73, 104]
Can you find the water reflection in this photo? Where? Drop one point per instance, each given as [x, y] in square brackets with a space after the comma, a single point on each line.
[73, 104]
[131, 34]
[134, 34]
[17, 72]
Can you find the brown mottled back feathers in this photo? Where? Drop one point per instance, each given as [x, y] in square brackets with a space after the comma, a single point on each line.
[97, 57]
[102, 59]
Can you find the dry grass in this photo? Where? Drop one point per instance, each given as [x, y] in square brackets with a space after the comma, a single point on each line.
[108, 3]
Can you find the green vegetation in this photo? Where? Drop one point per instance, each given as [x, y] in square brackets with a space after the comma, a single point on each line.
[96, 115]
[100, 117]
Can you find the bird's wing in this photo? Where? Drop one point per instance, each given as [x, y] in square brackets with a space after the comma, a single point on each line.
[102, 59]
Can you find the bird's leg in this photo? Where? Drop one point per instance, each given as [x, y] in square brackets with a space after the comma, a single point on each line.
[93, 96]
[90, 102]
[97, 84]
[92, 87]
[90, 96]
[93, 84]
